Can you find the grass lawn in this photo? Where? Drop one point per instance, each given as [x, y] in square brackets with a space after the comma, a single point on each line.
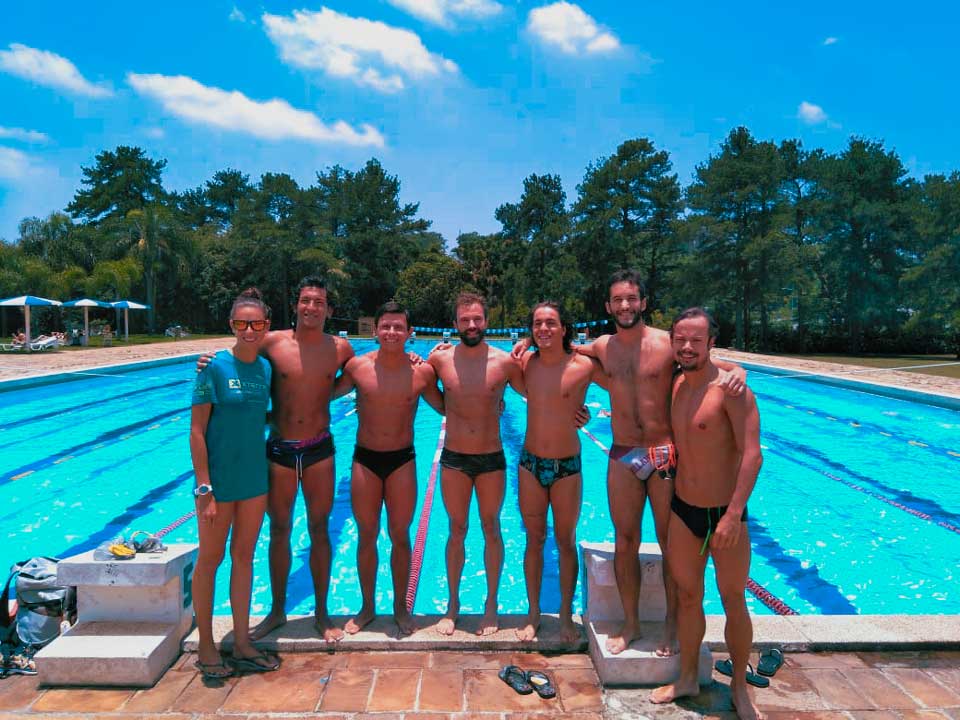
[901, 362]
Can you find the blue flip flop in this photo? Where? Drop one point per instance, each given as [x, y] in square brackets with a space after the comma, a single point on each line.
[770, 661]
[515, 678]
[725, 667]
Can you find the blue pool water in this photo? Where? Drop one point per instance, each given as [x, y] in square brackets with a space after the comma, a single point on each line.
[857, 508]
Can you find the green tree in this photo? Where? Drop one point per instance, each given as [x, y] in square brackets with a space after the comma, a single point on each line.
[538, 226]
[736, 235]
[120, 182]
[625, 216]
[866, 222]
[428, 287]
[56, 241]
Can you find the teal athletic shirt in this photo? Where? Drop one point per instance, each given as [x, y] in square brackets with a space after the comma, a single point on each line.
[240, 395]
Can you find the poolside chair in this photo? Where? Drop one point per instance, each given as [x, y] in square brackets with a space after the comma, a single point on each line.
[45, 344]
[11, 346]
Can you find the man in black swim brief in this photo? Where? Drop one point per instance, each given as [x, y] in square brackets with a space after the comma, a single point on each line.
[300, 454]
[473, 465]
[383, 463]
[702, 521]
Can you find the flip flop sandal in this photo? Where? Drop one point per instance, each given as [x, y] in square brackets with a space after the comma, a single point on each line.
[541, 683]
[251, 664]
[770, 661]
[725, 667]
[20, 665]
[214, 671]
[515, 678]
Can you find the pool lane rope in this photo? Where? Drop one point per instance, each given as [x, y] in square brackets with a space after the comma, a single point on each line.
[416, 558]
[175, 524]
[756, 589]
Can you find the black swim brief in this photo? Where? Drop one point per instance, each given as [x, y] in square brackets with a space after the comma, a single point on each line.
[642, 461]
[300, 454]
[701, 521]
[473, 465]
[383, 463]
[548, 470]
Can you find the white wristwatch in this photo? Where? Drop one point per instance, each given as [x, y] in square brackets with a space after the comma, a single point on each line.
[201, 490]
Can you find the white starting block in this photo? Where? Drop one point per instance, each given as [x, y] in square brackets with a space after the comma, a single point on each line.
[638, 664]
[446, 335]
[582, 338]
[132, 615]
[342, 333]
[514, 335]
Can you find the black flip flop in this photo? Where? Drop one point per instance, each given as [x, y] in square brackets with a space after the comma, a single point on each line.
[770, 661]
[214, 671]
[725, 667]
[515, 678]
[250, 664]
[541, 683]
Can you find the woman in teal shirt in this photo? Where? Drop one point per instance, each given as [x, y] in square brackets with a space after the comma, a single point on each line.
[230, 401]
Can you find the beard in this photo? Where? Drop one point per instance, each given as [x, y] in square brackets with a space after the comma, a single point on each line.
[472, 340]
[626, 326]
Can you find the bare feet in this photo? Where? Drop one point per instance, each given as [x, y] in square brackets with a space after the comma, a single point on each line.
[743, 703]
[669, 693]
[569, 632]
[270, 623]
[616, 644]
[489, 623]
[528, 632]
[447, 625]
[405, 624]
[330, 633]
[359, 621]
[668, 645]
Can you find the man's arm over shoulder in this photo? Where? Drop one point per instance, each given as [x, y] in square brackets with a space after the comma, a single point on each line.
[597, 375]
[515, 368]
[345, 381]
[595, 349]
[733, 378]
[431, 390]
[344, 351]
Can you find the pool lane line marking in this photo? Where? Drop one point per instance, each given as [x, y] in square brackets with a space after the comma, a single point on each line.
[22, 475]
[87, 405]
[63, 459]
[107, 438]
[853, 423]
[416, 557]
[769, 599]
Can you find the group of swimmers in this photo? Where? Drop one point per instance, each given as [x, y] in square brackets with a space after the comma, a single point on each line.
[685, 433]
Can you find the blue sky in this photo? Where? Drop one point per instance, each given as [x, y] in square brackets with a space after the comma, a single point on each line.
[461, 99]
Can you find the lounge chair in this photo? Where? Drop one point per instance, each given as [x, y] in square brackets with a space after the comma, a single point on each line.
[49, 343]
[11, 346]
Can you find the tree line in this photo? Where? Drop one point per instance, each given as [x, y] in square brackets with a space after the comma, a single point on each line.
[792, 249]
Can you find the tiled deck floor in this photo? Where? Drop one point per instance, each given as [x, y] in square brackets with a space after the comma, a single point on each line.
[465, 686]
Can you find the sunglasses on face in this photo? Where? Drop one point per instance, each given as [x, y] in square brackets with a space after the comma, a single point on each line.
[242, 325]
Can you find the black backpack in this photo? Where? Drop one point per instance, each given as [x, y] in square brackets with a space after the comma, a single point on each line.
[42, 604]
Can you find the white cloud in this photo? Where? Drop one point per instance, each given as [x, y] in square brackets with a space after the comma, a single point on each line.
[48, 69]
[367, 52]
[31, 136]
[442, 12]
[14, 164]
[811, 114]
[236, 14]
[831, 41]
[567, 27]
[271, 120]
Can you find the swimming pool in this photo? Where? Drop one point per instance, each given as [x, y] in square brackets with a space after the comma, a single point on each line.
[857, 509]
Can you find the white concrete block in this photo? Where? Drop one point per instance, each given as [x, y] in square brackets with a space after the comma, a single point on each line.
[638, 664]
[130, 654]
[599, 582]
[98, 567]
[166, 604]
